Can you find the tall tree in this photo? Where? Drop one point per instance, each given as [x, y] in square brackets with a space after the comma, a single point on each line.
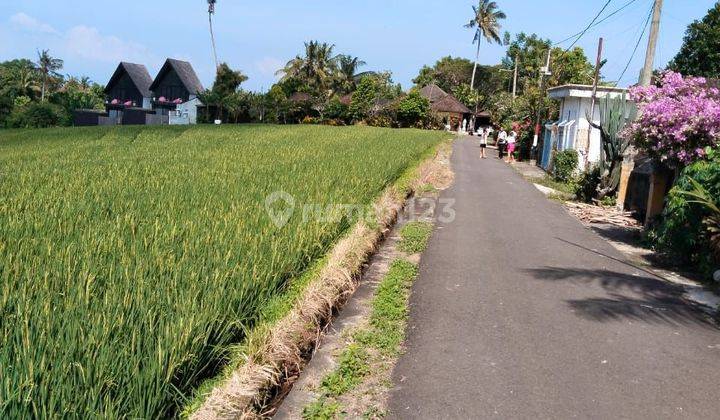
[531, 53]
[225, 92]
[485, 22]
[316, 68]
[348, 74]
[448, 73]
[211, 12]
[48, 67]
[700, 53]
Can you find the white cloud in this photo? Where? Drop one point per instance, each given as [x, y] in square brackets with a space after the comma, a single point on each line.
[88, 43]
[268, 66]
[30, 24]
[82, 42]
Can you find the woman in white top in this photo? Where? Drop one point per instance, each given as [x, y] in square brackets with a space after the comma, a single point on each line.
[512, 138]
[484, 133]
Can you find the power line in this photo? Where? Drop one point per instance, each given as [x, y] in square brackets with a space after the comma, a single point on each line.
[621, 8]
[642, 34]
[589, 25]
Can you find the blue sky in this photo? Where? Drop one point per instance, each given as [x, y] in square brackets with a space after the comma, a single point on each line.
[258, 37]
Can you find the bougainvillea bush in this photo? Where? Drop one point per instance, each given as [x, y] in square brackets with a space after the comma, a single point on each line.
[679, 119]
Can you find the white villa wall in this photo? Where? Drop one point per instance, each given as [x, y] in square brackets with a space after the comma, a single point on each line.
[185, 113]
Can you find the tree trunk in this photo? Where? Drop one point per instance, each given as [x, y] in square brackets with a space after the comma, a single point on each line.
[472, 81]
[42, 93]
[477, 57]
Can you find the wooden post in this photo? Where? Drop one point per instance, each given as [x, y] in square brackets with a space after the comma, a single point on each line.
[626, 170]
[656, 195]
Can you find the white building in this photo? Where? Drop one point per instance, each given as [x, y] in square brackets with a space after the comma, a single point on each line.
[572, 129]
[185, 113]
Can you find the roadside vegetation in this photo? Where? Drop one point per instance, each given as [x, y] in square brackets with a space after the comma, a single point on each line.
[133, 257]
[373, 348]
[362, 376]
[414, 237]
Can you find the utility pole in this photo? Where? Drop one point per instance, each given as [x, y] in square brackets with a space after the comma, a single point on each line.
[593, 100]
[515, 75]
[544, 71]
[646, 75]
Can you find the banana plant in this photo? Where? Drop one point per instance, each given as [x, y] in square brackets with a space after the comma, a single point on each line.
[615, 114]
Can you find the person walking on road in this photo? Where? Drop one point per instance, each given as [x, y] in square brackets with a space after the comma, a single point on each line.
[511, 140]
[501, 142]
[484, 134]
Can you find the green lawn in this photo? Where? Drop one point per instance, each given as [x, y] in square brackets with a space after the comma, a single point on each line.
[131, 257]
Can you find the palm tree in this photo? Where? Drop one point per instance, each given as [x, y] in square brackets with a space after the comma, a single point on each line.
[347, 74]
[317, 68]
[48, 66]
[211, 12]
[485, 22]
[23, 77]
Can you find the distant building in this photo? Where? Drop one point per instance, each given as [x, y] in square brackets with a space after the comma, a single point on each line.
[572, 130]
[133, 97]
[446, 106]
[129, 85]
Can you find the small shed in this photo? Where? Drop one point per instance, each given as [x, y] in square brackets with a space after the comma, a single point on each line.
[130, 83]
[572, 130]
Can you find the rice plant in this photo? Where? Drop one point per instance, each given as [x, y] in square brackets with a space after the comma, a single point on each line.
[131, 257]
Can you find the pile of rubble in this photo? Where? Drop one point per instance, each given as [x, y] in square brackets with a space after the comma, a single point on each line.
[593, 214]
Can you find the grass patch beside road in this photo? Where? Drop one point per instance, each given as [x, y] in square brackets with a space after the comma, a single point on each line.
[414, 237]
[371, 346]
[548, 181]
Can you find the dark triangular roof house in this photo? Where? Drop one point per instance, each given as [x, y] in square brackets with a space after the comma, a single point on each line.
[176, 80]
[130, 82]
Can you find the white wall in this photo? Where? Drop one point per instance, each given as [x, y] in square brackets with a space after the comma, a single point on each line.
[186, 113]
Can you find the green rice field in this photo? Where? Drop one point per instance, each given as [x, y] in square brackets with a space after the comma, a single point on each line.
[131, 257]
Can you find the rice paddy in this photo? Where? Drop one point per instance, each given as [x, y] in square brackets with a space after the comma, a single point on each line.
[131, 257]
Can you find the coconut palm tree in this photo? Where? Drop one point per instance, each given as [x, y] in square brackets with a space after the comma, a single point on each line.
[211, 12]
[48, 67]
[485, 22]
[347, 72]
[316, 69]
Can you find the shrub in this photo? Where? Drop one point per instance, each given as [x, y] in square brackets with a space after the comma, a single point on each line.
[36, 115]
[412, 110]
[363, 99]
[587, 184]
[680, 232]
[336, 110]
[566, 162]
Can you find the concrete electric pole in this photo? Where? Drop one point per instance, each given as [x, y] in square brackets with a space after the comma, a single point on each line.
[515, 75]
[646, 75]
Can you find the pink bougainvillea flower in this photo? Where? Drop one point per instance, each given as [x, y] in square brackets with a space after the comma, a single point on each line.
[678, 119]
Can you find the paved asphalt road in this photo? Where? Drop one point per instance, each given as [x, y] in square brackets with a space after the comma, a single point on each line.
[521, 312]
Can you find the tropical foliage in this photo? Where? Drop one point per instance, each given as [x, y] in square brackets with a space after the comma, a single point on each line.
[687, 231]
[700, 52]
[36, 95]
